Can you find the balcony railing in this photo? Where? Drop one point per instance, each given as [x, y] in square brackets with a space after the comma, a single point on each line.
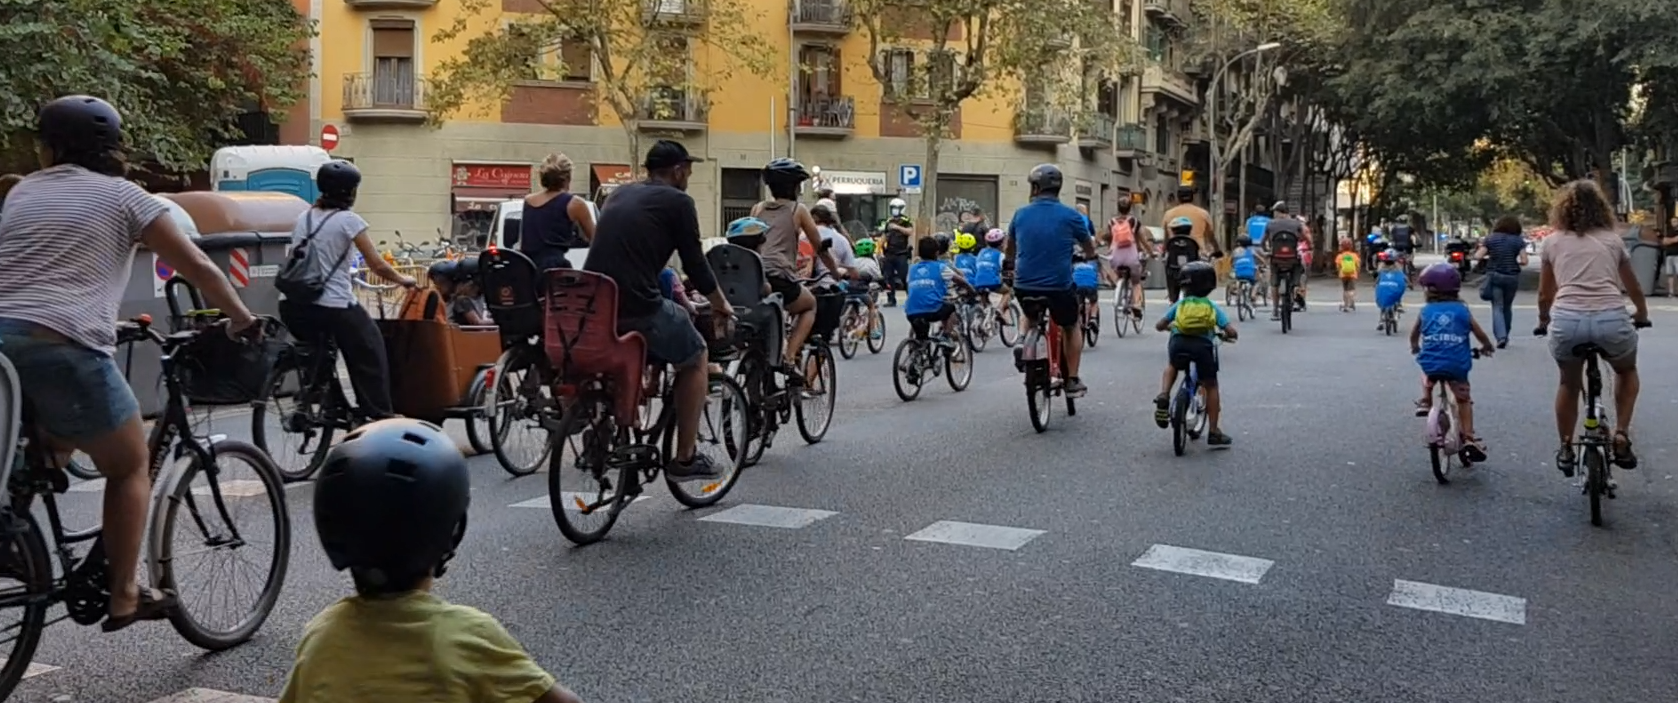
[674, 110]
[1172, 12]
[1095, 131]
[1042, 126]
[826, 117]
[388, 96]
[1132, 140]
[675, 11]
[820, 16]
[1166, 80]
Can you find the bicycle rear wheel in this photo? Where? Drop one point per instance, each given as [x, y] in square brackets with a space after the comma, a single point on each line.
[849, 325]
[1596, 480]
[877, 338]
[587, 493]
[1037, 395]
[207, 512]
[816, 400]
[522, 399]
[723, 426]
[290, 423]
[1009, 330]
[1286, 306]
[958, 367]
[1179, 418]
[26, 571]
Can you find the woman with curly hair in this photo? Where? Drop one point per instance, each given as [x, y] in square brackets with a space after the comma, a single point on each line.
[1585, 279]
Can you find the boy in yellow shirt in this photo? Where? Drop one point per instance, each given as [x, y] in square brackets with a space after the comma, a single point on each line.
[390, 506]
[1347, 263]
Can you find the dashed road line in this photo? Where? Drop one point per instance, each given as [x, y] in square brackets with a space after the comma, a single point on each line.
[1458, 601]
[1195, 562]
[770, 516]
[570, 500]
[205, 695]
[969, 534]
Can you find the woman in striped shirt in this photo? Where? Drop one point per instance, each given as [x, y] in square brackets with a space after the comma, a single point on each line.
[1505, 252]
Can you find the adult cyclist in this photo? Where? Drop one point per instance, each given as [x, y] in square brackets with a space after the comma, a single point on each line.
[1040, 245]
[789, 222]
[1282, 238]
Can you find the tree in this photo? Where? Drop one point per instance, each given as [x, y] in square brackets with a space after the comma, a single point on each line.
[642, 52]
[180, 71]
[1062, 49]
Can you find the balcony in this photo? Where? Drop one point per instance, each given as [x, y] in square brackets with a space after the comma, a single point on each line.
[1096, 131]
[820, 17]
[833, 118]
[1175, 13]
[1132, 141]
[384, 97]
[673, 111]
[390, 4]
[1042, 126]
[1171, 83]
[675, 12]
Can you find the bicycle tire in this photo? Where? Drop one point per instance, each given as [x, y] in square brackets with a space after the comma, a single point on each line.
[1596, 480]
[966, 370]
[980, 332]
[877, 344]
[314, 415]
[479, 417]
[1287, 309]
[1037, 397]
[906, 351]
[1179, 420]
[727, 397]
[1011, 322]
[810, 429]
[165, 519]
[596, 422]
[24, 536]
[848, 342]
[755, 383]
[1121, 318]
[514, 361]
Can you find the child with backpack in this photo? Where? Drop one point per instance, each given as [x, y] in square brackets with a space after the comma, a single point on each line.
[1195, 323]
[1347, 263]
[1124, 253]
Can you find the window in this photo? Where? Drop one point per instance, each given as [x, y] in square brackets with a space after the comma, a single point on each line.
[1157, 45]
[900, 64]
[940, 71]
[552, 60]
[1162, 136]
[393, 76]
[1107, 99]
[819, 73]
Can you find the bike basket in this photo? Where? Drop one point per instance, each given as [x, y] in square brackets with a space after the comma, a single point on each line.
[215, 370]
[830, 306]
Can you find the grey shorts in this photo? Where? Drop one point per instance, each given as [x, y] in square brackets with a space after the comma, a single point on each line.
[1671, 266]
[1609, 329]
[671, 337]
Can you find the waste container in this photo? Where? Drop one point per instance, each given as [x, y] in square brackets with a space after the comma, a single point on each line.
[1645, 257]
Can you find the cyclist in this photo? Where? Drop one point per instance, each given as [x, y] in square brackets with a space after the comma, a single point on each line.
[331, 230]
[1282, 242]
[987, 269]
[441, 277]
[648, 222]
[1390, 285]
[825, 213]
[965, 261]
[1195, 323]
[1128, 244]
[945, 242]
[1200, 217]
[1039, 251]
[391, 509]
[1086, 277]
[555, 220]
[789, 221]
[897, 230]
[1181, 249]
[931, 297]
[68, 239]
[1347, 263]
[1244, 262]
[1441, 343]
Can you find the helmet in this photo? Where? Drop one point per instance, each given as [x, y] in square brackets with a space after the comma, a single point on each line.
[1281, 206]
[1386, 256]
[1441, 277]
[897, 206]
[390, 503]
[337, 177]
[785, 171]
[1181, 225]
[829, 205]
[441, 271]
[1197, 278]
[466, 269]
[995, 235]
[1045, 178]
[965, 241]
[81, 120]
[864, 247]
[747, 227]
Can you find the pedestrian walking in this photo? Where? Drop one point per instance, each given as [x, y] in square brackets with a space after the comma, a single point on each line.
[1505, 254]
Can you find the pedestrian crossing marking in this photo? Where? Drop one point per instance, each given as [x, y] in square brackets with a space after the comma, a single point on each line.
[1195, 562]
[205, 695]
[570, 499]
[969, 534]
[769, 516]
[34, 669]
[1458, 601]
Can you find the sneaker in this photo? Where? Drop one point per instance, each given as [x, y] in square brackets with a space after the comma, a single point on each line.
[1275, 315]
[1473, 450]
[1423, 408]
[696, 469]
[1566, 461]
[1216, 438]
[1502, 344]
[1162, 411]
[1075, 388]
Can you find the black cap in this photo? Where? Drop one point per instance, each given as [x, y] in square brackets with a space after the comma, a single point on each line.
[668, 154]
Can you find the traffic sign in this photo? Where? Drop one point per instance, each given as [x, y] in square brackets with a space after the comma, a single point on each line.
[909, 178]
[161, 273]
[329, 137]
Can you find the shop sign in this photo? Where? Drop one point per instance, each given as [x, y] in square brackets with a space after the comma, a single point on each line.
[855, 182]
[1082, 188]
[504, 176]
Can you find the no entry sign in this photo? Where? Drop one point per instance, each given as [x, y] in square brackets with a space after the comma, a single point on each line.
[329, 137]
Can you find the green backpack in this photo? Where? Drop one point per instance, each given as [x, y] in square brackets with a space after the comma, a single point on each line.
[1196, 316]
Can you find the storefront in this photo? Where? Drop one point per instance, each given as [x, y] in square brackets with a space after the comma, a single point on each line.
[476, 187]
[959, 194]
[605, 178]
[862, 196]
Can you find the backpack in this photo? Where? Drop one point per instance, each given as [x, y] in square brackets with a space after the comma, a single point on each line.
[1123, 232]
[1196, 316]
[1284, 245]
[1348, 265]
[297, 279]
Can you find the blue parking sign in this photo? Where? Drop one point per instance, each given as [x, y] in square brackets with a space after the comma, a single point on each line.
[909, 178]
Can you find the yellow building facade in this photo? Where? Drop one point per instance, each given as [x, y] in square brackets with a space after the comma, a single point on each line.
[372, 58]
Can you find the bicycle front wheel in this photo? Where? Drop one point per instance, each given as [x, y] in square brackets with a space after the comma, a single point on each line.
[1009, 330]
[848, 332]
[820, 393]
[26, 572]
[200, 520]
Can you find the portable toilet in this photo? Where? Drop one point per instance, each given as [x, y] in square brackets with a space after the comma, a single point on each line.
[270, 169]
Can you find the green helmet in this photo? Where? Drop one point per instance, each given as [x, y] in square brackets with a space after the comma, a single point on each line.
[864, 247]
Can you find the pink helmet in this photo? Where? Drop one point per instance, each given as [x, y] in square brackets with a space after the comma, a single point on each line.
[995, 235]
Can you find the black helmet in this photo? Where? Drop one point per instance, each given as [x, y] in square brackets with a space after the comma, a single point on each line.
[337, 177]
[1045, 178]
[440, 271]
[390, 503]
[465, 269]
[1197, 278]
[1243, 241]
[79, 120]
[784, 171]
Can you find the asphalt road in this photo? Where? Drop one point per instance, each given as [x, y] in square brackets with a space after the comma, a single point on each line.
[1316, 560]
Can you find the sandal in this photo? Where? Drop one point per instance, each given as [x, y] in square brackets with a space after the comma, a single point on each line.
[154, 605]
[1623, 457]
[1473, 450]
[1162, 410]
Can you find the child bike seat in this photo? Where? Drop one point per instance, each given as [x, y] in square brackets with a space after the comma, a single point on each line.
[582, 339]
[512, 292]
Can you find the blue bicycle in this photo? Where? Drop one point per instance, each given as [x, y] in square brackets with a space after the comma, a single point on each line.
[1188, 408]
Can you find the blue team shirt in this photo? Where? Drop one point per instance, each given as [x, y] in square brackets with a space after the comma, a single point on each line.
[1390, 287]
[1085, 275]
[1447, 333]
[1222, 319]
[1045, 233]
[987, 271]
[927, 288]
[1256, 226]
[1244, 263]
[966, 264]
[667, 283]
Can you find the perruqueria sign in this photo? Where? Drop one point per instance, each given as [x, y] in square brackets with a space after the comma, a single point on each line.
[856, 182]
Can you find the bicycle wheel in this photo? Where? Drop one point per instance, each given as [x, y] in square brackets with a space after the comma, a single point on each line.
[877, 338]
[905, 371]
[522, 399]
[754, 380]
[1179, 419]
[983, 327]
[1286, 306]
[1092, 329]
[814, 410]
[1121, 316]
[586, 494]
[290, 423]
[1009, 331]
[26, 571]
[199, 522]
[1037, 395]
[848, 326]
[479, 426]
[958, 367]
[725, 419]
[1596, 480]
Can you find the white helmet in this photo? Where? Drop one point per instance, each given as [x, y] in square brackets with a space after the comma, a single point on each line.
[898, 206]
[828, 203]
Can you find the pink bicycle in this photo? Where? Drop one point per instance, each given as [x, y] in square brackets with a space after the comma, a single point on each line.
[1445, 443]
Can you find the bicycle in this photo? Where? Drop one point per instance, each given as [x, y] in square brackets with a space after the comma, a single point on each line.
[1389, 319]
[522, 395]
[1089, 320]
[1126, 314]
[924, 355]
[1041, 357]
[81, 583]
[306, 376]
[1445, 442]
[1239, 296]
[1595, 448]
[857, 323]
[978, 321]
[1188, 408]
[1285, 297]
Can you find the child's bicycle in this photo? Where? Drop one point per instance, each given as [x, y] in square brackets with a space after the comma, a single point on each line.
[1594, 449]
[857, 325]
[1239, 296]
[1188, 409]
[1089, 320]
[1445, 443]
[924, 356]
[1389, 319]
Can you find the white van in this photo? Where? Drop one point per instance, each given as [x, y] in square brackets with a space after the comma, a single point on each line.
[514, 210]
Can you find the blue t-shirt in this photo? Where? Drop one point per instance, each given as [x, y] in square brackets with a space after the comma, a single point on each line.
[966, 264]
[987, 270]
[1256, 226]
[1389, 287]
[1447, 332]
[928, 284]
[1244, 263]
[667, 283]
[1045, 233]
[1085, 275]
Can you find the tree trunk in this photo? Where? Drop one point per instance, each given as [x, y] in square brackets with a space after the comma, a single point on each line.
[934, 136]
[632, 130]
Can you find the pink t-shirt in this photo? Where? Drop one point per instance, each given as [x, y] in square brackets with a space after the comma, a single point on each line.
[1587, 270]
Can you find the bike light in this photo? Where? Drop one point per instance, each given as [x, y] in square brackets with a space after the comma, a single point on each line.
[144, 319]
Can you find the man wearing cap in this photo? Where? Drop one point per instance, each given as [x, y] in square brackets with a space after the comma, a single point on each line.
[640, 229]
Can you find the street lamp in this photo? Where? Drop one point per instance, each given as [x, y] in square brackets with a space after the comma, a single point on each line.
[1217, 191]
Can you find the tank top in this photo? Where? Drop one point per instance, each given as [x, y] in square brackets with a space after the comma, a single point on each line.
[780, 243]
[548, 232]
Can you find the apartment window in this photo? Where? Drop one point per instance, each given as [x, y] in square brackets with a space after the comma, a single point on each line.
[940, 71]
[819, 73]
[394, 75]
[1155, 41]
[555, 60]
[900, 64]
[1107, 99]
[1162, 136]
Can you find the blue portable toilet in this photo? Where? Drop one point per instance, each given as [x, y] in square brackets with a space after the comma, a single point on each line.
[268, 169]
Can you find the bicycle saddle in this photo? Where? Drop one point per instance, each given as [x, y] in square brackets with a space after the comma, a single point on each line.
[1586, 350]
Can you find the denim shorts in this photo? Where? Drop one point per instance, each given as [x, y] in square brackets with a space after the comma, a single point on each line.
[1610, 329]
[671, 337]
[72, 392]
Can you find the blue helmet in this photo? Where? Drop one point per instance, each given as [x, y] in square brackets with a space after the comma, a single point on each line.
[747, 231]
[1180, 225]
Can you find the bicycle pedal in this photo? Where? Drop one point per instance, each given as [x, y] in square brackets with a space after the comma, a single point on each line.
[632, 456]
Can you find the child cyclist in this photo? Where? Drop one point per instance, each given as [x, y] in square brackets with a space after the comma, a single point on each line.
[390, 507]
[1244, 264]
[1195, 323]
[931, 297]
[1440, 341]
[1347, 263]
[1086, 277]
[966, 262]
[867, 272]
[1390, 284]
[987, 274]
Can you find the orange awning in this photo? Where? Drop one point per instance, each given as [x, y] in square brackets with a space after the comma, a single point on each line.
[613, 174]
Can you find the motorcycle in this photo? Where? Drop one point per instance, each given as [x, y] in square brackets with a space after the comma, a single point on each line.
[1456, 252]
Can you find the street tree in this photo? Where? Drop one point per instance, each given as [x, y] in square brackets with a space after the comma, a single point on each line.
[180, 71]
[932, 56]
[642, 53]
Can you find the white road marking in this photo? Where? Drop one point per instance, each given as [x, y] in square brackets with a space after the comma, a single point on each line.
[975, 535]
[237, 488]
[769, 516]
[94, 486]
[1458, 601]
[34, 669]
[205, 695]
[1194, 562]
[570, 499]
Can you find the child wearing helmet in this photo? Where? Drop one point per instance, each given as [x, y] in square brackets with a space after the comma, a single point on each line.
[932, 287]
[791, 227]
[965, 261]
[1195, 323]
[987, 265]
[1086, 278]
[1181, 249]
[1244, 262]
[1390, 284]
[1440, 340]
[395, 531]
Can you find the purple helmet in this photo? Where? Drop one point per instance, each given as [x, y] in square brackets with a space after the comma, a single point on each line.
[1441, 277]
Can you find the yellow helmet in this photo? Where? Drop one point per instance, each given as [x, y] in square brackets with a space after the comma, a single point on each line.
[965, 241]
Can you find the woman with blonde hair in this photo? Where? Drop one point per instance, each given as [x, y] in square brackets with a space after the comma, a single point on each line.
[1582, 287]
[555, 220]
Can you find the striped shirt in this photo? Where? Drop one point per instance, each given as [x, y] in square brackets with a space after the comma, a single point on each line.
[67, 239]
[1503, 253]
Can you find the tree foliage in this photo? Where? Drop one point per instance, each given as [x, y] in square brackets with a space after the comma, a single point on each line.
[179, 70]
[1250, 89]
[643, 58]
